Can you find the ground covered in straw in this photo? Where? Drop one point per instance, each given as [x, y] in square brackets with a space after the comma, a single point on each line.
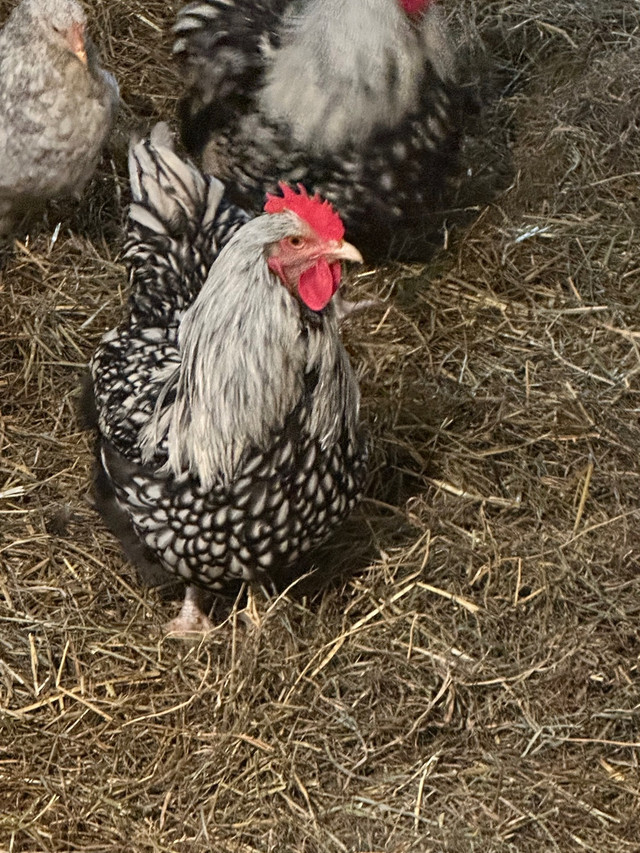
[469, 680]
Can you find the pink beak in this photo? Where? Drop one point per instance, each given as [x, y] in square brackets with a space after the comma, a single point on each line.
[75, 40]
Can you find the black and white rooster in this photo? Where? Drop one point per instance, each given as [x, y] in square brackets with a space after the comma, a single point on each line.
[227, 410]
[355, 98]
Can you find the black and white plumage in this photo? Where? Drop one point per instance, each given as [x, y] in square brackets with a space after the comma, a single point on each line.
[57, 106]
[358, 100]
[227, 410]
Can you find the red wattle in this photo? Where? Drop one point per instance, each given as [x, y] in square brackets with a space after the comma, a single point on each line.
[317, 285]
[336, 273]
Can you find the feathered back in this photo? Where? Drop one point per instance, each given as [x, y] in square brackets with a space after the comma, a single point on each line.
[222, 47]
[334, 71]
[358, 68]
[178, 222]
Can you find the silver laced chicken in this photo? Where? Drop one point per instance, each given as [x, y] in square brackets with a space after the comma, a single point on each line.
[226, 407]
[359, 100]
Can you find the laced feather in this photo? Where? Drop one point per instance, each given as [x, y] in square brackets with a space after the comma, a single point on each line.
[168, 189]
[178, 221]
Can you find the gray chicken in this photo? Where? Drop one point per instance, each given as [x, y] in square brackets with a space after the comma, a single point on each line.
[226, 407]
[57, 106]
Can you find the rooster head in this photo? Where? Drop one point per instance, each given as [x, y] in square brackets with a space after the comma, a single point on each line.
[307, 260]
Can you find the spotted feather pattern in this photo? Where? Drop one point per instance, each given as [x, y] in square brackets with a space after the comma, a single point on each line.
[280, 505]
[222, 46]
[285, 496]
[178, 222]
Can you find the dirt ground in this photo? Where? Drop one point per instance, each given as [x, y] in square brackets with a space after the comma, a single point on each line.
[469, 680]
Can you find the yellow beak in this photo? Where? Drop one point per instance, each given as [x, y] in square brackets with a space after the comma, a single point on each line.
[76, 41]
[343, 251]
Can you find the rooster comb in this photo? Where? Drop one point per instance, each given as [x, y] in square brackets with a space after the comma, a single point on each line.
[413, 7]
[317, 213]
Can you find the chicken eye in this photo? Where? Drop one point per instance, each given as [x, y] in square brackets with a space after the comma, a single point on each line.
[296, 242]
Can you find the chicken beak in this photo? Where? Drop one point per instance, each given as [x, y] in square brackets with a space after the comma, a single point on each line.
[76, 42]
[345, 252]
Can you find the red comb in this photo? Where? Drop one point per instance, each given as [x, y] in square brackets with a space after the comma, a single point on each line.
[412, 7]
[317, 213]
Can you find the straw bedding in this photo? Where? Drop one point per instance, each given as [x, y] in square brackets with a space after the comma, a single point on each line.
[469, 678]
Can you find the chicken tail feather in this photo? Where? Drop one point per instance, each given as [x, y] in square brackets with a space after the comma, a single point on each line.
[178, 222]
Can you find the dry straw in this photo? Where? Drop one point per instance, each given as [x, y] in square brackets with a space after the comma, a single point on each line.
[469, 679]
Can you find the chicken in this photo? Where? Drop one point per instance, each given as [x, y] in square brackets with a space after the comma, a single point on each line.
[356, 99]
[227, 410]
[56, 106]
